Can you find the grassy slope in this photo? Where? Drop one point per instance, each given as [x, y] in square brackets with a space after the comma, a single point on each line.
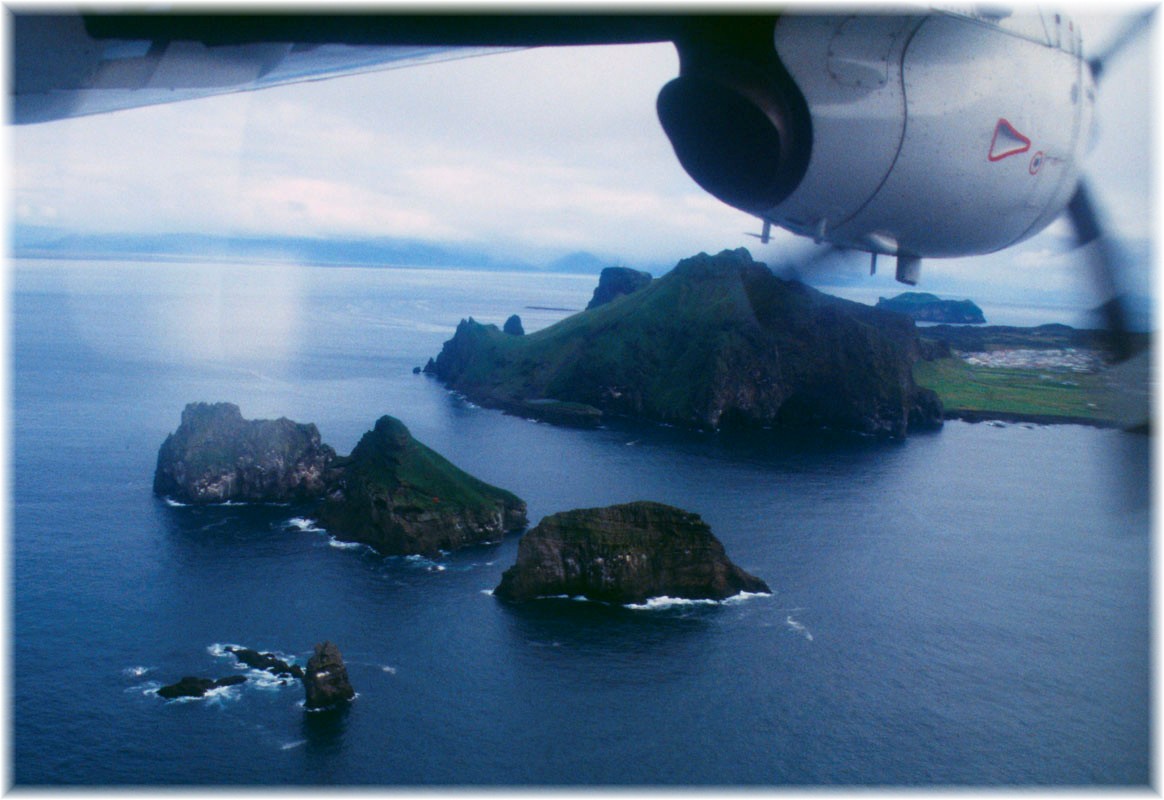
[389, 460]
[550, 360]
[1020, 393]
[675, 350]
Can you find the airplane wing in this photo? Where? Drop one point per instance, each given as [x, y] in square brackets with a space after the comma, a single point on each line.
[73, 64]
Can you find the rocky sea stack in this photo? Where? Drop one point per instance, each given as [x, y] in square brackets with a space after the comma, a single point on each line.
[325, 680]
[401, 497]
[216, 456]
[392, 492]
[624, 554]
[718, 342]
[614, 282]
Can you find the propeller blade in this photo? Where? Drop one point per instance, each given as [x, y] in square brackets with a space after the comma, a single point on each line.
[1104, 269]
[1136, 26]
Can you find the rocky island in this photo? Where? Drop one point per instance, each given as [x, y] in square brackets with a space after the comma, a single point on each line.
[401, 497]
[720, 341]
[624, 554]
[925, 307]
[216, 456]
[392, 493]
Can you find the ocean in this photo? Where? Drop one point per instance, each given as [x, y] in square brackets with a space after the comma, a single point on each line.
[965, 608]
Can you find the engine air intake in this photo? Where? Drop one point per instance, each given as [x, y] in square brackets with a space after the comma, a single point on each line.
[746, 147]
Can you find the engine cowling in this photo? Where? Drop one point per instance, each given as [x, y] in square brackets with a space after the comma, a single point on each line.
[925, 136]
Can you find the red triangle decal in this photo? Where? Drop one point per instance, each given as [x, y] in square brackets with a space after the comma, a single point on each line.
[1007, 141]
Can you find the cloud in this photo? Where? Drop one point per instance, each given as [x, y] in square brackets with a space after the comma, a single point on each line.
[538, 150]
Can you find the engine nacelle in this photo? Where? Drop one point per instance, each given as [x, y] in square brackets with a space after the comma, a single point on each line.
[928, 136]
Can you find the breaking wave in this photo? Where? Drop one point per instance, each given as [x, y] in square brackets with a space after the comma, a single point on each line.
[798, 627]
[425, 563]
[303, 524]
[664, 602]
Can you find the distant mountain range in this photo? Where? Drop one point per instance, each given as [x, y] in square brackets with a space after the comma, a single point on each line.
[35, 242]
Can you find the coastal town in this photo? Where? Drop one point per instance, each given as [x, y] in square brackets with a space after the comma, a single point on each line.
[1066, 359]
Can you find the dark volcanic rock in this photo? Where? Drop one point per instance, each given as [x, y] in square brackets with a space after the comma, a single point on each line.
[401, 497]
[191, 686]
[717, 342]
[216, 455]
[925, 307]
[326, 678]
[268, 662]
[624, 554]
[513, 326]
[616, 282]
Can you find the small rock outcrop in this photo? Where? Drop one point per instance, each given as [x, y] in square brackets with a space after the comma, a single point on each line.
[325, 680]
[268, 662]
[191, 686]
[925, 307]
[624, 554]
[216, 456]
[400, 497]
[513, 326]
[616, 282]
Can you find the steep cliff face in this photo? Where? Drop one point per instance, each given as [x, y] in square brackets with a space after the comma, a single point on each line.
[624, 554]
[401, 497]
[215, 456]
[719, 341]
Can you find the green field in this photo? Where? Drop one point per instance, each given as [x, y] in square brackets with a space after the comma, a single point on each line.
[1036, 394]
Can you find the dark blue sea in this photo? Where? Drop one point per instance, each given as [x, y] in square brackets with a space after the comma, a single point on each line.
[970, 607]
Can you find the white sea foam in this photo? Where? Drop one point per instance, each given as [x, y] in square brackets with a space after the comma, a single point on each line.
[655, 603]
[743, 597]
[261, 679]
[339, 544]
[219, 693]
[488, 592]
[388, 669]
[136, 672]
[172, 503]
[222, 649]
[663, 602]
[304, 524]
[798, 627]
[424, 562]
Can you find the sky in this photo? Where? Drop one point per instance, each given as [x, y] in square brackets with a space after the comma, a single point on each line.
[533, 153]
